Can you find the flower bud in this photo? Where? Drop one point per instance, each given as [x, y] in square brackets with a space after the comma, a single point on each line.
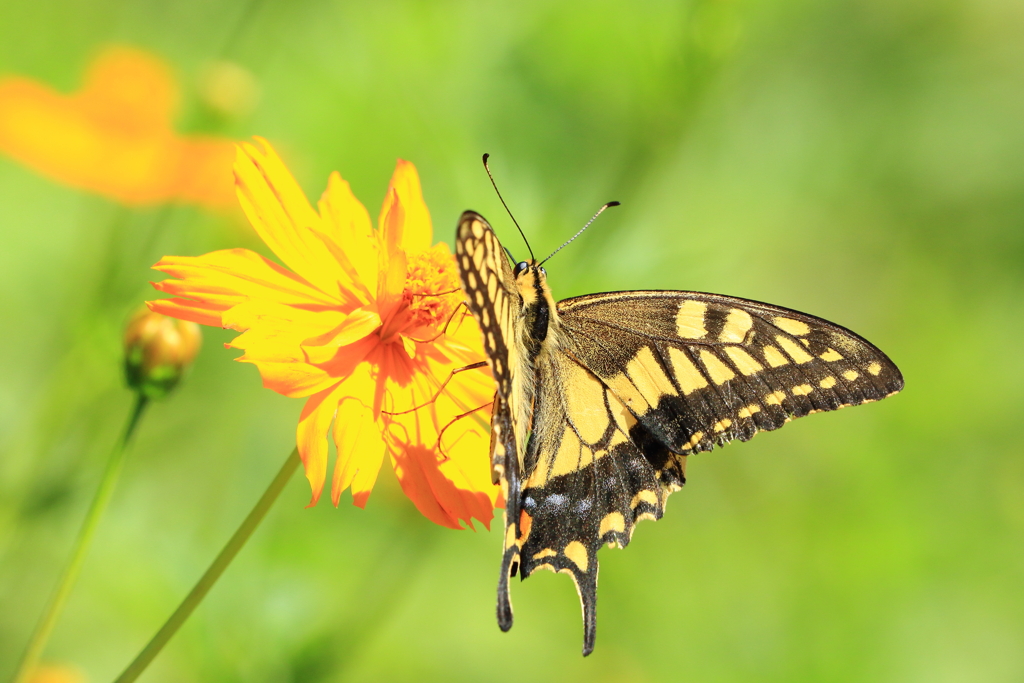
[157, 351]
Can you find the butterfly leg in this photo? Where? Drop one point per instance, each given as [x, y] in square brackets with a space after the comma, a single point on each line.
[440, 434]
[461, 306]
[451, 376]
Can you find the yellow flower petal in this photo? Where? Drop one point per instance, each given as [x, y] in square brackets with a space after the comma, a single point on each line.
[281, 214]
[358, 440]
[417, 230]
[311, 438]
[358, 324]
[465, 482]
[232, 276]
[347, 359]
[197, 311]
[276, 330]
[392, 224]
[437, 448]
[346, 226]
[391, 283]
[273, 339]
[295, 380]
[415, 466]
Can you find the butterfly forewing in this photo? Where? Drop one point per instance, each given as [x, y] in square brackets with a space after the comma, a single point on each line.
[494, 300]
[491, 293]
[699, 370]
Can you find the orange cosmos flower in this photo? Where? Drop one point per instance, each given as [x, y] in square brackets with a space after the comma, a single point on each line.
[368, 324]
[115, 135]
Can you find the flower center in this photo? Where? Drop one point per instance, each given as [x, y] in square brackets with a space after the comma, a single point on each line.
[432, 288]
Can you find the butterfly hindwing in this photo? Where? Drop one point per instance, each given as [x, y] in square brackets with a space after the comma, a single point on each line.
[505, 470]
[586, 482]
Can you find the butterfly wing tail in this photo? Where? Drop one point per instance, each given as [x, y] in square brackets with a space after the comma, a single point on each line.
[509, 562]
[586, 586]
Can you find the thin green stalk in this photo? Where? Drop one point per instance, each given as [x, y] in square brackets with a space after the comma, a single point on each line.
[44, 627]
[227, 554]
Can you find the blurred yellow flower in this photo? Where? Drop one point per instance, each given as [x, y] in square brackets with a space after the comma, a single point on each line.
[50, 673]
[115, 135]
[368, 324]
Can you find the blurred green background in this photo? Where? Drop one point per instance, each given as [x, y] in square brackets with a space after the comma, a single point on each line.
[860, 160]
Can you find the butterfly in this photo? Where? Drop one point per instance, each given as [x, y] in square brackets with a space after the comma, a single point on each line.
[601, 398]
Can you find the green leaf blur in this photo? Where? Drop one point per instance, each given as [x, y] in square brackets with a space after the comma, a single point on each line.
[856, 159]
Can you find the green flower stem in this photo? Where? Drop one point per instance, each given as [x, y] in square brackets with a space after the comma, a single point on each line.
[44, 627]
[227, 554]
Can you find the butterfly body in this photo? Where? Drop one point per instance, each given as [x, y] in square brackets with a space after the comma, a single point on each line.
[601, 398]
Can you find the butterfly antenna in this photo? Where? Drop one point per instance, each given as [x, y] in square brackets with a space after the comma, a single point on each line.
[487, 168]
[594, 218]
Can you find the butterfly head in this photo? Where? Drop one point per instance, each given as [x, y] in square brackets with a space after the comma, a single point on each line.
[532, 280]
[528, 269]
[538, 312]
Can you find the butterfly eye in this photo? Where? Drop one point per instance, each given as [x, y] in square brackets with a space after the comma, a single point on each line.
[521, 268]
[543, 272]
